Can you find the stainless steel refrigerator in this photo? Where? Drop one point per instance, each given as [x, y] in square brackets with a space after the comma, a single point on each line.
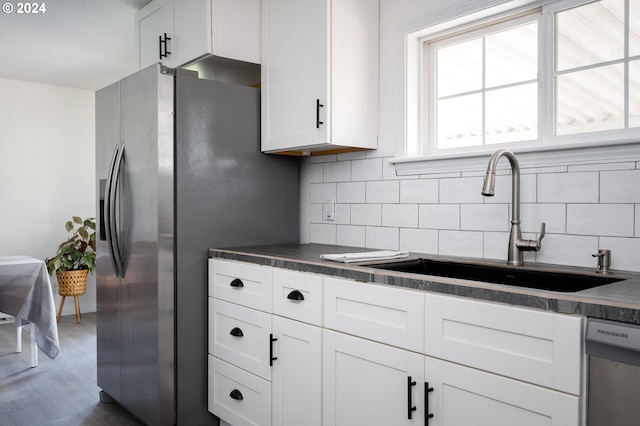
[179, 170]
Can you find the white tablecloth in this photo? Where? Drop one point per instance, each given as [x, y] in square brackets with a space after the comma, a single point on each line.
[25, 293]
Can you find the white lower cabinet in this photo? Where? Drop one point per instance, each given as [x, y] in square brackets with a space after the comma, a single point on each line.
[466, 396]
[368, 383]
[334, 352]
[297, 374]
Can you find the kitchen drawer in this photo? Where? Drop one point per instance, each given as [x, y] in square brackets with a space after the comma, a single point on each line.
[394, 316]
[242, 283]
[226, 384]
[240, 336]
[538, 347]
[298, 296]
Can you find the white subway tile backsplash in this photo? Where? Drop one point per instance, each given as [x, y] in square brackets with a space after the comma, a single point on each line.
[585, 207]
[615, 220]
[625, 253]
[337, 172]
[400, 215]
[568, 250]
[316, 173]
[383, 191]
[366, 214]
[496, 245]
[554, 216]
[620, 187]
[366, 170]
[319, 192]
[579, 187]
[419, 240]
[502, 193]
[350, 192]
[315, 213]
[484, 217]
[351, 236]
[419, 191]
[439, 216]
[460, 243]
[342, 214]
[322, 233]
[382, 238]
[461, 190]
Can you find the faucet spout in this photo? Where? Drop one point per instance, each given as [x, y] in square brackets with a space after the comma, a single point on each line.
[516, 244]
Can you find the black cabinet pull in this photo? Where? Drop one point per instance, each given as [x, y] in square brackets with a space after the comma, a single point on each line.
[427, 414]
[236, 394]
[236, 332]
[237, 283]
[163, 42]
[318, 106]
[410, 407]
[271, 357]
[295, 295]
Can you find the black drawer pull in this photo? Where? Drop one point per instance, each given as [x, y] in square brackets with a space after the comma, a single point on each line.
[236, 394]
[295, 295]
[237, 283]
[236, 332]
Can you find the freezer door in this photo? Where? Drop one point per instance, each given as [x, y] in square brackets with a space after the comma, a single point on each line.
[108, 283]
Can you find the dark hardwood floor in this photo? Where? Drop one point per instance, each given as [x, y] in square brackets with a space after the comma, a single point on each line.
[59, 392]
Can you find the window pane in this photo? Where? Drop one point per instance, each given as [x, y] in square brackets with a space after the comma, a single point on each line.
[591, 100]
[512, 114]
[459, 68]
[634, 94]
[634, 27]
[459, 122]
[512, 55]
[590, 34]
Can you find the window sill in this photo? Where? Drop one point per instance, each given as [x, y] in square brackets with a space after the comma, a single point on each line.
[565, 155]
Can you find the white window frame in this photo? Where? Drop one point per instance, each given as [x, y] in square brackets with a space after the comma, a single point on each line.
[620, 145]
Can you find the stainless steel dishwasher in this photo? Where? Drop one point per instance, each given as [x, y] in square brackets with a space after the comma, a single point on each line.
[614, 373]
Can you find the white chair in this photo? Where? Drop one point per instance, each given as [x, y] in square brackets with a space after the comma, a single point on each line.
[31, 328]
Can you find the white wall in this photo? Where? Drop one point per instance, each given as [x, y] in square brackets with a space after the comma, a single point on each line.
[585, 206]
[47, 170]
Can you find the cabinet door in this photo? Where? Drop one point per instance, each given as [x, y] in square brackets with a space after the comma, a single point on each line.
[153, 21]
[294, 73]
[466, 396]
[297, 374]
[192, 30]
[368, 383]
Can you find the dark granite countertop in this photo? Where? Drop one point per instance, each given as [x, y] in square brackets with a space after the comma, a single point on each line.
[618, 301]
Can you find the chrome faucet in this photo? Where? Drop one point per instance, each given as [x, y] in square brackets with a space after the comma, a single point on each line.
[516, 244]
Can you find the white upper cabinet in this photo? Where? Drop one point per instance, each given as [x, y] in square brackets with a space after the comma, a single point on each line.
[197, 28]
[319, 75]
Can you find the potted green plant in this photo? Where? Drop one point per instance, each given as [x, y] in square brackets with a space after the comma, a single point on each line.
[75, 258]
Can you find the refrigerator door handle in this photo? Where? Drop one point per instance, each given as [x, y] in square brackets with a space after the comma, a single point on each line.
[108, 200]
[114, 191]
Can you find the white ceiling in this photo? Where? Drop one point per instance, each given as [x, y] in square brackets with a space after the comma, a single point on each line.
[85, 44]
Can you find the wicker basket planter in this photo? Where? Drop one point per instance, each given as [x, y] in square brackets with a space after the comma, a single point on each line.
[72, 283]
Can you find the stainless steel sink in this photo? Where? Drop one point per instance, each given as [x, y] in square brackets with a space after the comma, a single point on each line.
[516, 276]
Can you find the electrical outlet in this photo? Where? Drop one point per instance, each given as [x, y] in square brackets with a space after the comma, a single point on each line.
[329, 209]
